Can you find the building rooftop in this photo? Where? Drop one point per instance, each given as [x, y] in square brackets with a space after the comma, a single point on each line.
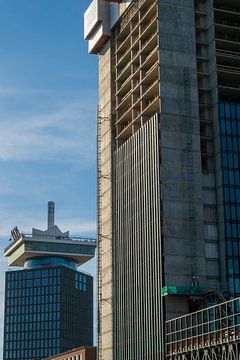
[51, 242]
[88, 351]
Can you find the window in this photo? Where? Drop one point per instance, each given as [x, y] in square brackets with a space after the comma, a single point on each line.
[211, 250]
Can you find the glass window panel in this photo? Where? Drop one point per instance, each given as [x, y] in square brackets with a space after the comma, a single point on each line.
[230, 266]
[237, 285]
[233, 212]
[222, 109]
[233, 111]
[227, 110]
[225, 177]
[237, 178]
[238, 111]
[227, 212]
[236, 161]
[225, 160]
[231, 177]
[230, 160]
[228, 127]
[232, 195]
[236, 267]
[224, 143]
[229, 143]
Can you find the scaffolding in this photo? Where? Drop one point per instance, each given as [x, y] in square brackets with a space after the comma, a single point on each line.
[206, 329]
[103, 178]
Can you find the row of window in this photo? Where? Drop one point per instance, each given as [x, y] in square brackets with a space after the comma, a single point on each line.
[28, 274]
[232, 212]
[33, 291]
[45, 291]
[231, 177]
[43, 325]
[30, 283]
[233, 266]
[81, 286]
[232, 194]
[30, 354]
[31, 300]
[80, 277]
[232, 229]
[74, 357]
[234, 286]
[233, 248]
[230, 143]
[14, 340]
[230, 110]
[230, 160]
[230, 127]
[35, 343]
[48, 309]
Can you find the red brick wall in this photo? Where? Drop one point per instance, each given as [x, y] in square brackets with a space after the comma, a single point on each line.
[87, 354]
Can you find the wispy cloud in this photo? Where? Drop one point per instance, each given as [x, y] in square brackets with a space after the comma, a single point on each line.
[8, 91]
[63, 131]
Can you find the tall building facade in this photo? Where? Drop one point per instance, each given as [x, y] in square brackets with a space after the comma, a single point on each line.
[48, 302]
[168, 164]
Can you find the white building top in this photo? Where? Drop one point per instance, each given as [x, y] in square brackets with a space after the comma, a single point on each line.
[99, 18]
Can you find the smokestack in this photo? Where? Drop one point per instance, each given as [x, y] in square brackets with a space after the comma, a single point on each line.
[50, 214]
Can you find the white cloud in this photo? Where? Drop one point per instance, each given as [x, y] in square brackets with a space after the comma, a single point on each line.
[7, 91]
[77, 226]
[63, 131]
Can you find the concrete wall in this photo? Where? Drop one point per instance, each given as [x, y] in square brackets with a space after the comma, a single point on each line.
[181, 191]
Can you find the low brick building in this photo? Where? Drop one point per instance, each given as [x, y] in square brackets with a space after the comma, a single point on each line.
[81, 353]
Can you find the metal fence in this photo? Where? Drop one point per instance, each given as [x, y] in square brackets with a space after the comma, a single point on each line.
[206, 328]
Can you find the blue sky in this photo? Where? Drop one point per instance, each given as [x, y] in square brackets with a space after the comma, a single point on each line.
[48, 98]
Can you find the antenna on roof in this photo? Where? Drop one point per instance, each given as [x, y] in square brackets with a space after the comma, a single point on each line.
[51, 206]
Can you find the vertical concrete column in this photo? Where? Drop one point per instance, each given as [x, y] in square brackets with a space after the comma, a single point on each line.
[105, 207]
[181, 191]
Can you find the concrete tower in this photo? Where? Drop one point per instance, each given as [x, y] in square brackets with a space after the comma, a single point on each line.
[168, 164]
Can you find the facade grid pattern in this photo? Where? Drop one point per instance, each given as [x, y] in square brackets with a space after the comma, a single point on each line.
[137, 270]
[230, 139]
[41, 307]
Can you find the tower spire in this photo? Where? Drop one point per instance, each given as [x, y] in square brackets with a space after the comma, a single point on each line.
[51, 207]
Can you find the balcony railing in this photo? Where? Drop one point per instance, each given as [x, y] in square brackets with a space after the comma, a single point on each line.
[25, 236]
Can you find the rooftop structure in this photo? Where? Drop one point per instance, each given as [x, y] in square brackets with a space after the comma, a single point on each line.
[81, 353]
[51, 242]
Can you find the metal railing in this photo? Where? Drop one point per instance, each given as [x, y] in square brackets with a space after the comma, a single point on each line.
[219, 324]
[26, 236]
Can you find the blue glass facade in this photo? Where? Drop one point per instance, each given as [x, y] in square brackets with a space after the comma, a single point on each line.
[50, 261]
[47, 311]
[230, 148]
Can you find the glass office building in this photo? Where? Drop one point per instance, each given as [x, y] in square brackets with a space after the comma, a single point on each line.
[45, 310]
[230, 145]
[48, 303]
